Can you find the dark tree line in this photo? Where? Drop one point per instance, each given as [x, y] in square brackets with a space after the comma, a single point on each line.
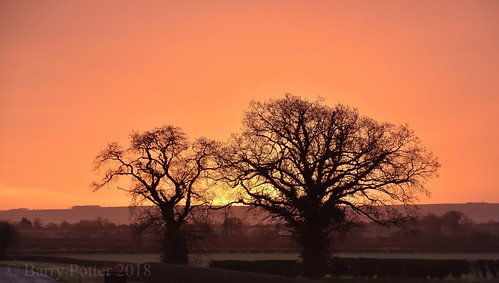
[301, 161]
[452, 223]
[8, 236]
[430, 232]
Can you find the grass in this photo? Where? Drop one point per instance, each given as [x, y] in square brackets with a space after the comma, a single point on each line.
[117, 257]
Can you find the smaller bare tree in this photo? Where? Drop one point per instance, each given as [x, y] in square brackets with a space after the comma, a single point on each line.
[164, 174]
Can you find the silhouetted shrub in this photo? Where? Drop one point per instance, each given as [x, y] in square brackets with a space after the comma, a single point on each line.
[364, 267]
[166, 273]
[484, 267]
[398, 268]
[290, 268]
[118, 277]
[8, 236]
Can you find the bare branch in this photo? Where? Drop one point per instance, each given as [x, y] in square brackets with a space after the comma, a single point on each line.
[305, 162]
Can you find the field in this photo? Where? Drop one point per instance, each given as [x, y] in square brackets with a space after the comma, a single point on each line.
[202, 260]
[197, 269]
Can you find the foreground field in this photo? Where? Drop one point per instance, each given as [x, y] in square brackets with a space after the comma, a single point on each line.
[164, 273]
[167, 273]
[203, 260]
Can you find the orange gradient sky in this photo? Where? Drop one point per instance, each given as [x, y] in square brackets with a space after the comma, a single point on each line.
[75, 75]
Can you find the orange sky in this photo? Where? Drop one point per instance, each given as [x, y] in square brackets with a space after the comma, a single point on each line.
[75, 75]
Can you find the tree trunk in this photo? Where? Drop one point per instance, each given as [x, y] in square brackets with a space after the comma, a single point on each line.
[175, 249]
[315, 252]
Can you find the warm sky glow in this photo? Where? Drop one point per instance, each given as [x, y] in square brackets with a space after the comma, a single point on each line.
[75, 75]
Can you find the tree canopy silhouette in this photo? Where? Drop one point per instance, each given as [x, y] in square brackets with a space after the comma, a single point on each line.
[307, 163]
[165, 170]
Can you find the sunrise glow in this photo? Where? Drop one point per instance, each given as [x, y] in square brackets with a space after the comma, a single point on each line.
[76, 75]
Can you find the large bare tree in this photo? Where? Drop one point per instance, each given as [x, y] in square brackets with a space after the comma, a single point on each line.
[164, 172]
[308, 164]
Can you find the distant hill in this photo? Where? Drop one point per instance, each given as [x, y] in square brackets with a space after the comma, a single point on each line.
[118, 215]
[478, 212]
